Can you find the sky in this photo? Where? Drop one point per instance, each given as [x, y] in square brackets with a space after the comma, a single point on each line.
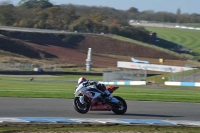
[186, 6]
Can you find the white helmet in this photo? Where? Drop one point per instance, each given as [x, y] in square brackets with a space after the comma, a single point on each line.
[81, 80]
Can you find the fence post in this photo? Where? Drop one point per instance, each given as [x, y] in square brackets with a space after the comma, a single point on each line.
[170, 74]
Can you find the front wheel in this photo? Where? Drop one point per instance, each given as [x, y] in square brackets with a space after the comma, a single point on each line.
[79, 107]
[121, 107]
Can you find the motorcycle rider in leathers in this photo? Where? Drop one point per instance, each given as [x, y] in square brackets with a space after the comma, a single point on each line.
[106, 95]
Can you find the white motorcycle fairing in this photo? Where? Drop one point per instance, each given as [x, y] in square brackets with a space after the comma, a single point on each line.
[90, 98]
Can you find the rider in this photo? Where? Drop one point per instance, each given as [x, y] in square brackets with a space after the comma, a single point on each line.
[108, 96]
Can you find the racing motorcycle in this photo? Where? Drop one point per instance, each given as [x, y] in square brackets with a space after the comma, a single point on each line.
[89, 98]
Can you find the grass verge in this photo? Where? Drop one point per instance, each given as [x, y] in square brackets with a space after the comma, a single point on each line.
[112, 128]
[63, 87]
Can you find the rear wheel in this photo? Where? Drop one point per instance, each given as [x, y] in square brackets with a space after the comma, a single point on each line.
[121, 107]
[79, 107]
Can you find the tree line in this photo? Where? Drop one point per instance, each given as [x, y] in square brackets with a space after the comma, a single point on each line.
[43, 14]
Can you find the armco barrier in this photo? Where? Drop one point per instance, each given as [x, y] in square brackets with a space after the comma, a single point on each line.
[48, 73]
[124, 83]
[54, 120]
[170, 83]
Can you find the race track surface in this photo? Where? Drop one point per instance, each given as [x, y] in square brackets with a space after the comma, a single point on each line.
[41, 107]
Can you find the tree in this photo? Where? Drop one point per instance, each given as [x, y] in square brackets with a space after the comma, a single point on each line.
[114, 29]
[146, 15]
[28, 3]
[35, 4]
[178, 12]
[44, 4]
[195, 18]
[69, 14]
[97, 17]
[133, 10]
[7, 14]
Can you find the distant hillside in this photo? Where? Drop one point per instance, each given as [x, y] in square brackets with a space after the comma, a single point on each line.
[179, 40]
[72, 48]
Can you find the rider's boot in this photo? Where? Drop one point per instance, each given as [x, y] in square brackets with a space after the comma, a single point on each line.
[110, 98]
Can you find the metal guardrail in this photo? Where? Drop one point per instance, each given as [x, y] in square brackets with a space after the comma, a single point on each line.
[28, 67]
[118, 75]
[185, 76]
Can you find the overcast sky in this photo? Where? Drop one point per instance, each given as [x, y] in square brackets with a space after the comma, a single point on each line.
[186, 6]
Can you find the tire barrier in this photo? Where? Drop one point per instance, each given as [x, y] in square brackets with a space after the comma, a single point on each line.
[124, 83]
[184, 27]
[194, 84]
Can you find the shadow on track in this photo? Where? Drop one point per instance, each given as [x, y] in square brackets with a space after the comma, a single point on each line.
[140, 115]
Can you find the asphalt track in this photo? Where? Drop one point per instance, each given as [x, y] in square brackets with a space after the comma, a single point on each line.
[41, 107]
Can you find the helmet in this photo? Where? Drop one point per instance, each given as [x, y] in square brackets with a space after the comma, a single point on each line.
[81, 80]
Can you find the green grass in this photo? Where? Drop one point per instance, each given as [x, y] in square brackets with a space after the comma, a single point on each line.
[46, 87]
[143, 44]
[167, 95]
[96, 128]
[58, 87]
[184, 37]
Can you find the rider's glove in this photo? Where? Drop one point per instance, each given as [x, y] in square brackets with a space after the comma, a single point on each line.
[85, 84]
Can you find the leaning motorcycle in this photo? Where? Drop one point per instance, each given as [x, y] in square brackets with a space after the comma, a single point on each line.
[89, 98]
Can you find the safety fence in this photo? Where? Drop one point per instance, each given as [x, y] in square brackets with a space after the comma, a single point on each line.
[130, 75]
[141, 75]
[28, 67]
[186, 76]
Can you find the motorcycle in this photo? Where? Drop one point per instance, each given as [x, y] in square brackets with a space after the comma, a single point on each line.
[89, 98]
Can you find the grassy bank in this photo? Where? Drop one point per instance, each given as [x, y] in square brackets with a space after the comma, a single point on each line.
[184, 37]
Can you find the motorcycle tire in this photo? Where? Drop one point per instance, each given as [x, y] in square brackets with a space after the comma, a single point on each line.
[119, 109]
[79, 107]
